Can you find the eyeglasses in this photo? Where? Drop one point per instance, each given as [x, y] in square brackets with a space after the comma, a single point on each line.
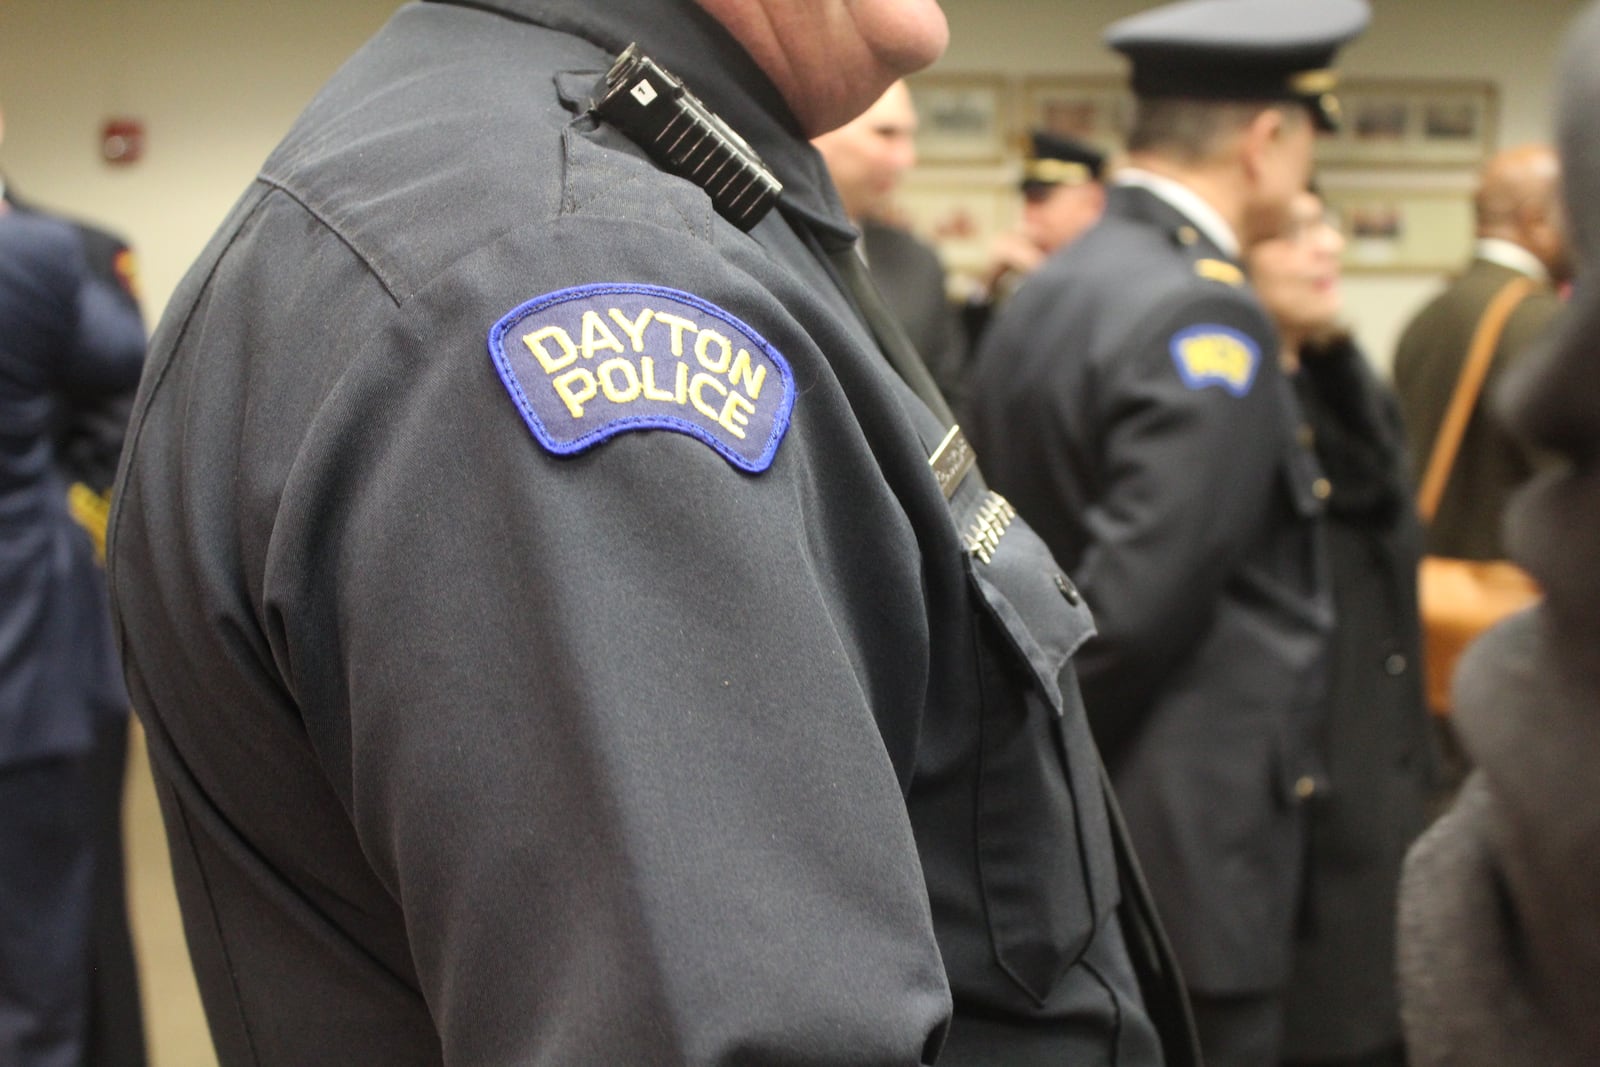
[1300, 230]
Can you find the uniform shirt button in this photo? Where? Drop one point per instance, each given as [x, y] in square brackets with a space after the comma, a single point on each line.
[1395, 665]
[1322, 489]
[1068, 590]
[1306, 787]
[1306, 435]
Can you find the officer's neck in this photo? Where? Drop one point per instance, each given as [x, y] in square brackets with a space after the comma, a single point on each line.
[1216, 183]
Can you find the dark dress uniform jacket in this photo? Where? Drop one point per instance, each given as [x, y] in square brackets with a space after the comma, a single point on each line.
[1342, 1001]
[477, 752]
[1491, 463]
[66, 339]
[1187, 516]
[90, 431]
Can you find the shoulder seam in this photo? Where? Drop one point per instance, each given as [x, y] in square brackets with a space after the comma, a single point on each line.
[388, 280]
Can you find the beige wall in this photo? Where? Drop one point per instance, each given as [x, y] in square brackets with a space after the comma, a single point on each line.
[218, 81]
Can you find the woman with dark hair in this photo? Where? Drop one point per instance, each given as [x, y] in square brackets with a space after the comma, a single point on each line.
[1342, 1005]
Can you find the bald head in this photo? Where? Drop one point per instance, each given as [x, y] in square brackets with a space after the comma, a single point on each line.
[1519, 200]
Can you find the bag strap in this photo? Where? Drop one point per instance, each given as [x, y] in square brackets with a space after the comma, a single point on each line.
[1474, 370]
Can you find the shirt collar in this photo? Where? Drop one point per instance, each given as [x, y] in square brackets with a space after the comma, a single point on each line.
[1186, 202]
[686, 40]
[1512, 256]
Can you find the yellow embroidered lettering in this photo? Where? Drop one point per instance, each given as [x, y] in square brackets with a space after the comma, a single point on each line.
[677, 325]
[706, 339]
[735, 415]
[635, 329]
[597, 335]
[535, 342]
[696, 395]
[752, 380]
[619, 394]
[573, 394]
[647, 374]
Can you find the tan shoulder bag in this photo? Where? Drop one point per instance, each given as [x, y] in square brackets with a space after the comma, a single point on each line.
[1461, 598]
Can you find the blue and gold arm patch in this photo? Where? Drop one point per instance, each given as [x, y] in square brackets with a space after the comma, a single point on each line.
[1216, 355]
[588, 363]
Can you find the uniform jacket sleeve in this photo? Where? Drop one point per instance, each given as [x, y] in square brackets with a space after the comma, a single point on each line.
[1186, 475]
[595, 721]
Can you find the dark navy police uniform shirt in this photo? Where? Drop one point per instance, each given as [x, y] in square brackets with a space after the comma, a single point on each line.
[553, 643]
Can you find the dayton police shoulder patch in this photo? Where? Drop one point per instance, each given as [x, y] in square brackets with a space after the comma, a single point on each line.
[588, 363]
[1216, 355]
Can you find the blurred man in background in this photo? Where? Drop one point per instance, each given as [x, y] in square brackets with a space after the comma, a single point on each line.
[65, 338]
[1129, 401]
[73, 341]
[1521, 239]
[867, 157]
[1063, 194]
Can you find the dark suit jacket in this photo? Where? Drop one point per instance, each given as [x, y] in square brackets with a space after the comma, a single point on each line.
[1128, 401]
[911, 278]
[63, 334]
[1427, 365]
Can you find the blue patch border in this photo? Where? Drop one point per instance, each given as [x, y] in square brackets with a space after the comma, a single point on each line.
[1211, 329]
[629, 423]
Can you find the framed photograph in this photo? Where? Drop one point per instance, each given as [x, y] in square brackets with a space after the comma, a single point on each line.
[960, 218]
[1408, 124]
[1097, 110]
[962, 118]
[1403, 229]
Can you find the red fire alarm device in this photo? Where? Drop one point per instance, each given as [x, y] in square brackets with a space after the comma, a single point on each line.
[122, 141]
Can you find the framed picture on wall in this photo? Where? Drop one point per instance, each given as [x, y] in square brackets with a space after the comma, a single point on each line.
[962, 118]
[1400, 229]
[1415, 123]
[1097, 110]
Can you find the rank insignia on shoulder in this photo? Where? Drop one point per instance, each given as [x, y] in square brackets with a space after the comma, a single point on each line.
[1216, 355]
[1220, 270]
[588, 363]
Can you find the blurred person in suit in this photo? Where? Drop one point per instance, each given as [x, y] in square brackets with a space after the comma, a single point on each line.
[867, 157]
[1521, 234]
[66, 337]
[1342, 1004]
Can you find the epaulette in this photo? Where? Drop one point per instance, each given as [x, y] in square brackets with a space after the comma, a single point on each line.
[1220, 270]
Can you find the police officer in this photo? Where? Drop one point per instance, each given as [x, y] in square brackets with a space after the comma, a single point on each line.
[1128, 401]
[867, 157]
[69, 340]
[1063, 194]
[564, 634]
[85, 441]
